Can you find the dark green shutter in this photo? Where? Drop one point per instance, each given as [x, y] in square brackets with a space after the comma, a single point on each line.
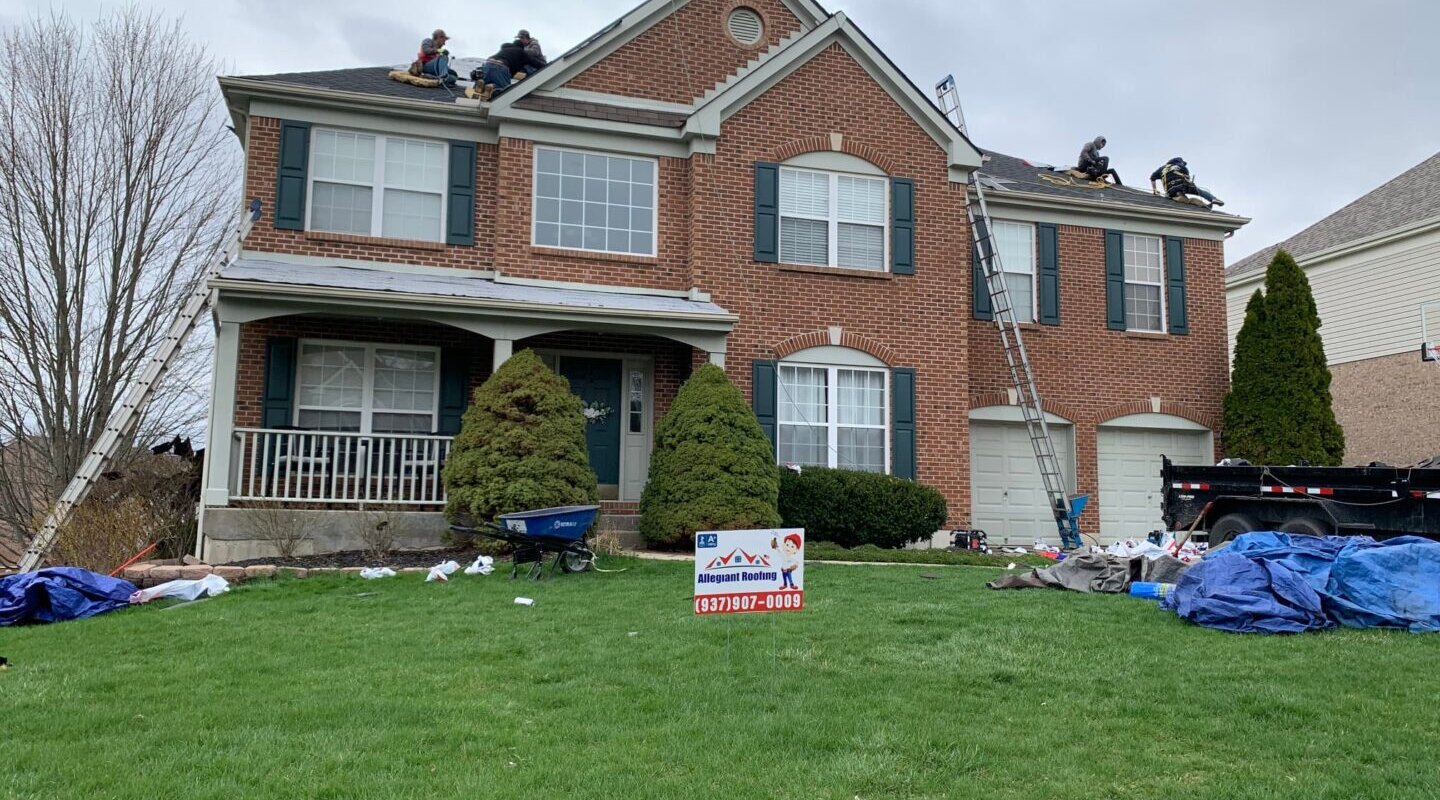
[902, 455]
[278, 406]
[460, 208]
[1115, 280]
[979, 292]
[767, 212]
[1175, 284]
[763, 397]
[290, 183]
[902, 226]
[454, 389]
[1049, 277]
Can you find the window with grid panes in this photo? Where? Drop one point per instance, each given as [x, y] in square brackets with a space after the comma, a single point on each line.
[1015, 244]
[590, 201]
[373, 185]
[1144, 283]
[833, 417]
[366, 388]
[832, 219]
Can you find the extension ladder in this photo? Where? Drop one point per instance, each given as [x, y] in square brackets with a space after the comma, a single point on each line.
[121, 423]
[949, 97]
[1066, 508]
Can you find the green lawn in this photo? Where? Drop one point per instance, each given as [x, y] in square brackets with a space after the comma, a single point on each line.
[888, 685]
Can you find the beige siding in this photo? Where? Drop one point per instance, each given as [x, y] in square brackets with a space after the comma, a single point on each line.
[1369, 301]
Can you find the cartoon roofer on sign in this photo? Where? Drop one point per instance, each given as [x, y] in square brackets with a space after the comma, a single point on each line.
[787, 558]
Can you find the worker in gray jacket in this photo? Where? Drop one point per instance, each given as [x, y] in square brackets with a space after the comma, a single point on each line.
[1094, 165]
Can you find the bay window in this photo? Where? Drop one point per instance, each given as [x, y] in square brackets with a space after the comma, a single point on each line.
[833, 416]
[833, 219]
[367, 388]
[372, 185]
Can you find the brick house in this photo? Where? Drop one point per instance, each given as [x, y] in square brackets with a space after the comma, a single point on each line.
[1374, 269]
[778, 199]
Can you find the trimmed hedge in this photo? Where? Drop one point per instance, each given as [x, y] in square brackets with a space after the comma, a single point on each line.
[712, 467]
[853, 508]
[521, 446]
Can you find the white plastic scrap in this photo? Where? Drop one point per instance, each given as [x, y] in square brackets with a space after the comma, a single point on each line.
[524, 601]
[371, 573]
[442, 572]
[484, 565]
[209, 586]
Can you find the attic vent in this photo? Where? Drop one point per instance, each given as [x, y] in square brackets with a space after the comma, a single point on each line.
[745, 26]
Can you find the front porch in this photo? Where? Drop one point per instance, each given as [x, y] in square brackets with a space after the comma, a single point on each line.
[333, 396]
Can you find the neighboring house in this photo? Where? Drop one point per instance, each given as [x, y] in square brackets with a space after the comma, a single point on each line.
[1374, 268]
[768, 193]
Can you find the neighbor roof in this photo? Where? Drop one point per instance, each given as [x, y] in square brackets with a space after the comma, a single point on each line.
[1411, 197]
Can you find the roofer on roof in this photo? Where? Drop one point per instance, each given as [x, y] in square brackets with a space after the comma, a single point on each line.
[1179, 185]
[434, 59]
[532, 47]
[514, 61]
[1094, 165]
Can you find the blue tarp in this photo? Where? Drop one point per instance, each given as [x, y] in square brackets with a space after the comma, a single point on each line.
[1278, 583]
[60, 593]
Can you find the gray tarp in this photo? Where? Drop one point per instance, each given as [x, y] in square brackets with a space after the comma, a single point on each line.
[1096, 572]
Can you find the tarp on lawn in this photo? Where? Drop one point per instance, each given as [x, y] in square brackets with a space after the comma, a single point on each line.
[60, 593]
[1269, 582]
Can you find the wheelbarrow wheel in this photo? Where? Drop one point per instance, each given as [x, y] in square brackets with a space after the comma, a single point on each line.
[577, 560]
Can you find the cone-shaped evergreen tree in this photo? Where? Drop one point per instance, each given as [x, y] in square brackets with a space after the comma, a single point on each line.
[1279, 409]
[521, 445]
[712, 467]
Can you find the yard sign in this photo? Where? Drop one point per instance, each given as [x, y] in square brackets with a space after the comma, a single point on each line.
[749, 571]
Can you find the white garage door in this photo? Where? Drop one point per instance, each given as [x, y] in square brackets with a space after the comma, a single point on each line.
[1130, 475]
[1008, 498]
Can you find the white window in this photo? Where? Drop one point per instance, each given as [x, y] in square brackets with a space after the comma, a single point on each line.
[833, 220]
[1144, 284]
[377, 186]
[367, 388]
[833, 417]
[587, 201]
[1015, 244]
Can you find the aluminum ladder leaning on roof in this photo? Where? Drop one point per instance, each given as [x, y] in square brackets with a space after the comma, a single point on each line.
[123, 419]
[1066, 508]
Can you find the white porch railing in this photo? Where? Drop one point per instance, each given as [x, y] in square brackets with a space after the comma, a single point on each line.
[331, 467]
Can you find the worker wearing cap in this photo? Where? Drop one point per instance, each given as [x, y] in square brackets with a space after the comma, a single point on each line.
[532, 48]
[434, 58]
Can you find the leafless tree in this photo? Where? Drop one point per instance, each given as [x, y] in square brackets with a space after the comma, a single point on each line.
[117, 180]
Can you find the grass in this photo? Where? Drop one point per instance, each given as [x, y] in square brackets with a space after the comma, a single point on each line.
[829, 551]
[888, 685]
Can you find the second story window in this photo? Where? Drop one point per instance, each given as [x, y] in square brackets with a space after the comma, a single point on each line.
[377, 186]
[1144, 284]
[831, 219]
[588, 201]
[1015, 244]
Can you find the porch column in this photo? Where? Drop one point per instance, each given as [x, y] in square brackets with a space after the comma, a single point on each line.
[504, 348]
[221, 432]
[718, 359]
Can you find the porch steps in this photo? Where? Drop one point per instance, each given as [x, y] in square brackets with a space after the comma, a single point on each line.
[621, 519]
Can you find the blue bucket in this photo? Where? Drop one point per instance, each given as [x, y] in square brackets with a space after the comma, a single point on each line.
[566, 523]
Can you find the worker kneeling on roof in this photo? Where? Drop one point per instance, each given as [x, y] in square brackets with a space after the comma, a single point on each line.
[514, 61]
[434, 59]
[1179, 185]
[1095, 166]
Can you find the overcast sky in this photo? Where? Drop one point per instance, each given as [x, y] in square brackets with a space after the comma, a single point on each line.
[1286, 109]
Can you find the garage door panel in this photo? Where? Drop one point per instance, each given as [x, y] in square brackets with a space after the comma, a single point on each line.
[1010, 503]
[1129, 462]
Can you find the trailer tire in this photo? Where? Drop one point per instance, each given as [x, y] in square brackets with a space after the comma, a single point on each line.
[1307, 526]
[1230, 526]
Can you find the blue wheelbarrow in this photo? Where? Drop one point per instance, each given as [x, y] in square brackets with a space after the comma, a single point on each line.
[535, 534]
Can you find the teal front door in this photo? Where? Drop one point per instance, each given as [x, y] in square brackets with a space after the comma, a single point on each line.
[597, 382]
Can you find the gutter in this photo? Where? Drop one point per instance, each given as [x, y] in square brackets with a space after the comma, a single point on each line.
[463, 108]
[260, 289]
[1034, 199]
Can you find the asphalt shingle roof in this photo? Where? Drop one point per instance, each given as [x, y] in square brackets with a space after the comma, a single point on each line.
[1411, 197]
[1022, 176]
[363, 80]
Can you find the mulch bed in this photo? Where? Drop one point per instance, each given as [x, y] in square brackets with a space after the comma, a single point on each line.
[360, 558]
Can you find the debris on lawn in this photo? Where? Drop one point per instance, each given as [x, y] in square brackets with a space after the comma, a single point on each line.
[484, 565]
[1096, 572]
[1267, 582]
[442, 572]
[209, 586]
[371, 573]
[4, 663]
[524, 601]
[58, 594]
[1151, 590]
[1186, 551]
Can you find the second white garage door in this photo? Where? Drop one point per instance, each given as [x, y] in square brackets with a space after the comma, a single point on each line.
[1008, 498]
[1130, 471]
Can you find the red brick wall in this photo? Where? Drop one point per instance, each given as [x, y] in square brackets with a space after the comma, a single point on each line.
[686, 54]
[1090, 374]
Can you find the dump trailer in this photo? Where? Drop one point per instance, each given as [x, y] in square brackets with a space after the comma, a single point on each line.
[1376, 501]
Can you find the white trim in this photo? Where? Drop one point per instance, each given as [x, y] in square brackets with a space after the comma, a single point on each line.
[833, 161]
[1011, 413]
[367, 402]
[377, 185]
[466, 131]
[835, 355]
[1126, 239]
[1114, 215]
[832, 406]
[535, 199]
[833, 221]
[1034, 264]
[1153, 421]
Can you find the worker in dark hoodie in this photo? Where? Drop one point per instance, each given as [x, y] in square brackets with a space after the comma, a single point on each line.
[1179, 185]
[500, 69]
[1094, 165]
